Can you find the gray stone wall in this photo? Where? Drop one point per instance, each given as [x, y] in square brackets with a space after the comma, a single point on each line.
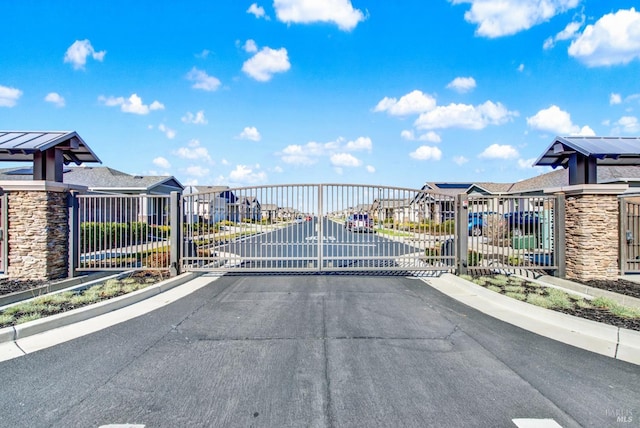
[38, 235]
[592, 236]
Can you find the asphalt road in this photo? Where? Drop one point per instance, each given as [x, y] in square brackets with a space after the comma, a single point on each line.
[316, 351]
[296, 245]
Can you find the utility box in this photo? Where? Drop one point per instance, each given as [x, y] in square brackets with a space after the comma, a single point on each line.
[524, 242]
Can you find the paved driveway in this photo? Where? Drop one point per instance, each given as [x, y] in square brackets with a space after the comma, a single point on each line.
[316, 351]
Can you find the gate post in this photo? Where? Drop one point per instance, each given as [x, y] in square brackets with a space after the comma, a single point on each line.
[74, 236]
[559, 237]
[175, 220]
[461, 226]
[320, 227]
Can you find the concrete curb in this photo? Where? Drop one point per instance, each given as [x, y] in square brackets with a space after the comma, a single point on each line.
[622, 299]
[9, 334]
[596, 337]
[50, 288]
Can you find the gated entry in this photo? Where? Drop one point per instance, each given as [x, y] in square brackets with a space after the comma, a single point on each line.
[318, 228]
[327, 227]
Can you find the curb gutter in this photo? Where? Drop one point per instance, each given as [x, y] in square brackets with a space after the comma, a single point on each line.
[604, 339]
[10, 334]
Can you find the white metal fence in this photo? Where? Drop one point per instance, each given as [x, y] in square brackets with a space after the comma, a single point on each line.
[328, 227]
[116, 232]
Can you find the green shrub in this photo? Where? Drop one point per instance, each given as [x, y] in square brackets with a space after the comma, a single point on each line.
[473, 258]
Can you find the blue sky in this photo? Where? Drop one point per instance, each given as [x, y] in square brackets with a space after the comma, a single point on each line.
[383, 92]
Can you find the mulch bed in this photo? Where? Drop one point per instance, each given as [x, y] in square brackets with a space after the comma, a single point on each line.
[620, 286]
[597, 314]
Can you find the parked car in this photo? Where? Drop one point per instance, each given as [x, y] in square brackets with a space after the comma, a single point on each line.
[477, 222]
[359, 223]
[522, 222]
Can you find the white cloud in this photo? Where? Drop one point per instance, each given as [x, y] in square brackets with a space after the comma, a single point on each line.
[613, 39]
[460, 160]
[311, 152]
[202, 80]
[204, 54]
[558, 121]
[250, 46]
[415, 102]
[526, 163]
[426, 153]
[250, 133]
[247, 174]
[497, 151]
[344, 159]
[196, 119]
[360, 143]
[133, 104]
[627, 125]
[170, 133]
[55, 99]
[496, 18]
[339, 12]
[78, 52]
[299, 155]
[257, 11]
[521, 68]
[568, 33]
[615, 99]
[9, 96]
[371, 169]
[161, 162]
[264, 64]
[462, 84]
[465, 116]
[430, 136]
[193, 151]
[197, 171]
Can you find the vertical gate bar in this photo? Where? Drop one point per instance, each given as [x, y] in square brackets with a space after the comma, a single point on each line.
[320, 190]
[460, 238]
[559, 237]
[175, 224]
[72, 204]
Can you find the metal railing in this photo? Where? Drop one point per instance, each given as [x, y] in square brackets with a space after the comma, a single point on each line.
[326, 227]
[116, 232]
[510, 233]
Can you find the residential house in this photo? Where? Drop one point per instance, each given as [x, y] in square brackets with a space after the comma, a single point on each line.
[210, 204]
[109, 181]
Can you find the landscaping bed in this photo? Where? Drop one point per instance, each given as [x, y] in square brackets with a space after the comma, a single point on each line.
[620, 286]
[55, 303]
[599, 309]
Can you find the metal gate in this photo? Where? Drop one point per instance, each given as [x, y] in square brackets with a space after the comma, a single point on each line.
[630, 234]
[317, 228]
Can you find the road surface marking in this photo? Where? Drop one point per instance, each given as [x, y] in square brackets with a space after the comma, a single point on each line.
[536, 423]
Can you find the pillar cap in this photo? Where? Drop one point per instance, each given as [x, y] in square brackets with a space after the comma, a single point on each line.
[590, 189]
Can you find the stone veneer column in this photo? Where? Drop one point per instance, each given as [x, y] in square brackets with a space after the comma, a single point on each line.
[38, 232]
[591, 229]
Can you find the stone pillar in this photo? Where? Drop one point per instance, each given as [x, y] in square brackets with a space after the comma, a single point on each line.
[591, 229]
[38, 230]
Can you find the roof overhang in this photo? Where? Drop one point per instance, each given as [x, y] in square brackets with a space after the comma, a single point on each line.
[23, 146]
[600, 150]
